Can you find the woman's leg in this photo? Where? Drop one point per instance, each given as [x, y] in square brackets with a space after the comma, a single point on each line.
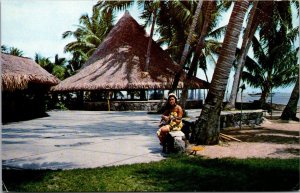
[162, 133]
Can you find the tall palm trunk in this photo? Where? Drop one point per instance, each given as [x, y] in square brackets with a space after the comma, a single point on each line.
[143, 92]
[249, 33]
[187, 46]
[263, 98]
[198, 53]
[266, 89]
[290, 109]
[206, 129]
[150, 42]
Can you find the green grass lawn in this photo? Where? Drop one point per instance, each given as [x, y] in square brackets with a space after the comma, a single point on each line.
[177, 173]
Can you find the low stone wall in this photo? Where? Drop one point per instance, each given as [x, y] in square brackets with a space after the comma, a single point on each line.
[152, 105]
[122, 106]
[234, 118]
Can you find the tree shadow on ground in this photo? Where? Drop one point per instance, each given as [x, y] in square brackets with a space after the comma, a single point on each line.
[25, 116]
[294, 151]
[264, 135]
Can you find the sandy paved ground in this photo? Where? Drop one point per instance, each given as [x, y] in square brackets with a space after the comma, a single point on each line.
[272, 139]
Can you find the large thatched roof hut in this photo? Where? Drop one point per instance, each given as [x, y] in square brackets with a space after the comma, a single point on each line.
[119, 63]
[24, 88]
[20, 72]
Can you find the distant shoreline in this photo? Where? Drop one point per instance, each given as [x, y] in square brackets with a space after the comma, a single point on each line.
[280, 98]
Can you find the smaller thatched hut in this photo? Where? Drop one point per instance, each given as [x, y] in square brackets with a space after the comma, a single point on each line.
[24, 85]
[19, 73]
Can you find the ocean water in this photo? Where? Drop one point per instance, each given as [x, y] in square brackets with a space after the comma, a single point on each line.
[277, 98]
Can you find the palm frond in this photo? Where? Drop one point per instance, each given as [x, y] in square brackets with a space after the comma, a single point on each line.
[251, 80]
[217, 33]
[259, 51]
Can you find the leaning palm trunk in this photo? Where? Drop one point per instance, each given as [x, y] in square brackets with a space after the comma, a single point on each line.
[249, 33]
[206, 129]
[187, 45]
[290, 110]
[198, 53]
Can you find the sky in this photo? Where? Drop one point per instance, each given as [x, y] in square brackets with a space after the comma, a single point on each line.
[36, 26]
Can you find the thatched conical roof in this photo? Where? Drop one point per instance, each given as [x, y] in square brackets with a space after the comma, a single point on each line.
[18, 72]
[119, 62]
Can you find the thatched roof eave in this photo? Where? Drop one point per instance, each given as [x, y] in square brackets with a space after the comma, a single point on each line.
[19, 72]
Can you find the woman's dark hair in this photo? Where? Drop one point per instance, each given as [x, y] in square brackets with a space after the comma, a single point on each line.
[168, 106]
[173, 97]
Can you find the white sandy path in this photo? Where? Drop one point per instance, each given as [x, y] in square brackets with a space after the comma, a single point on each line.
[256, 149]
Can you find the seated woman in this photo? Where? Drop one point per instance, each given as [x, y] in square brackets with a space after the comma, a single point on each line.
[171, 118]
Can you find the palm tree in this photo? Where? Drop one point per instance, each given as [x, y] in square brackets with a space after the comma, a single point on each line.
[90, 33]
[4, 48]
[206, 129]
[75, 63]
[44, 62]
[15, 51]
[198, 52]
[290, 110]
[276, 64]
[174, 21]
[187, 45]
[59, 68]
[113, 7]
[248, 35]
[153, 8]
[268, 15]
